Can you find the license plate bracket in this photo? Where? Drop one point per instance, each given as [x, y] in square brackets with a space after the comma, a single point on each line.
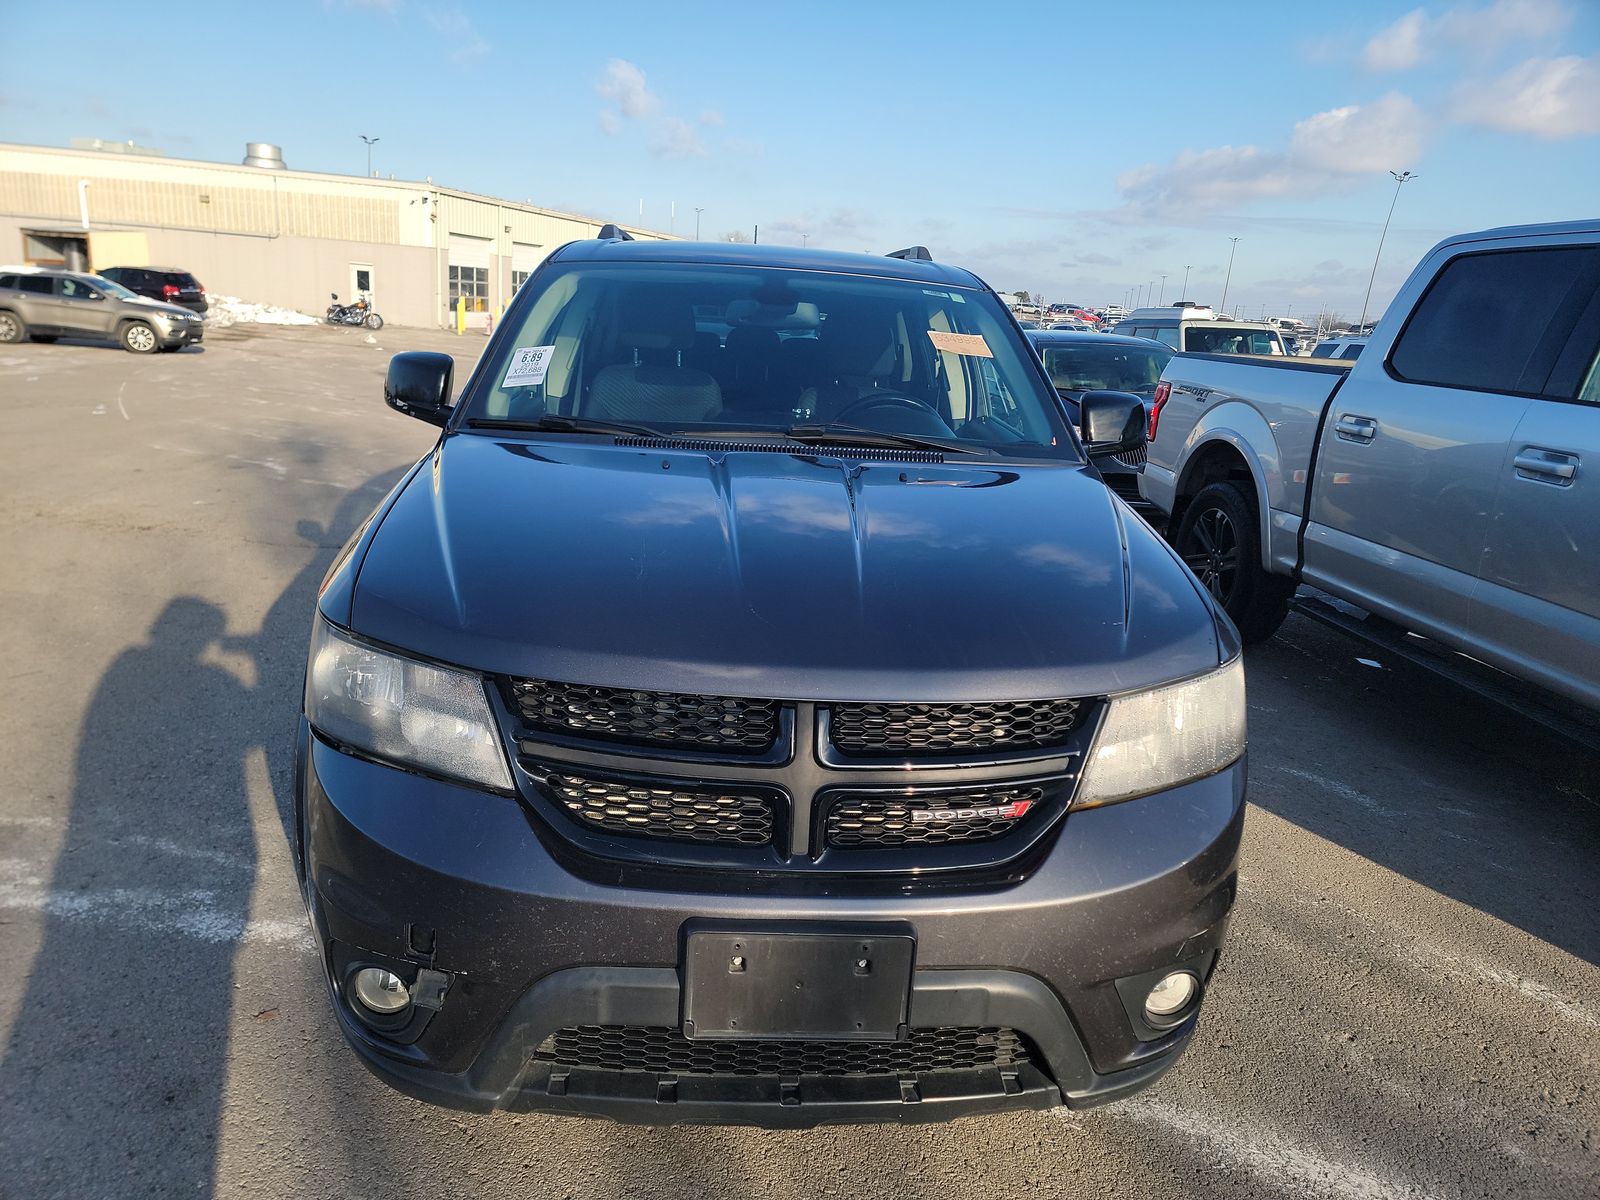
[797, 984]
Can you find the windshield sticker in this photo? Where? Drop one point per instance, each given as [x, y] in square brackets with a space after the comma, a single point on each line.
[528, 366]
[970, 344]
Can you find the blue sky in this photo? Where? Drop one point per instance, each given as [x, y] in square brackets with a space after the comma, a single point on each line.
[1074, 150]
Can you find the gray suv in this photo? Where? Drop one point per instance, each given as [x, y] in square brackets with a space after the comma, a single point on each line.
[45, 305]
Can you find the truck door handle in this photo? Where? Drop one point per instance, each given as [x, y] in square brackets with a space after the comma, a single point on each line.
[1546, 466]
[1355, 429]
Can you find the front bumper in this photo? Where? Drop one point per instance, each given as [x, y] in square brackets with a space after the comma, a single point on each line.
[530, 948]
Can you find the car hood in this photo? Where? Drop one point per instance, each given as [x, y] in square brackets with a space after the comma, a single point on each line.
[775, 574]
[171, 310]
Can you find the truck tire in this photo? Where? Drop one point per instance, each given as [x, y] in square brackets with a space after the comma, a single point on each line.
[1219, 539]
[12, 327]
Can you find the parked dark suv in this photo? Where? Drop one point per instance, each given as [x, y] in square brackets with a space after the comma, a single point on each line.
[755, 708]
[168, 284]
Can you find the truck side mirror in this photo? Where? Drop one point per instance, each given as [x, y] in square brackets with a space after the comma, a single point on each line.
[418, 384]
[1111, 422]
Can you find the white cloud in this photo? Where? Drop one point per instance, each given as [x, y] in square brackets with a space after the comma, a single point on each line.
[1550, 98]
[676, 138]
[1397, 47]
[1357, 139]
[610, 123]
[1327, 152]
[1481, 32]
[710, 117]
[623, 84]
[459, 33]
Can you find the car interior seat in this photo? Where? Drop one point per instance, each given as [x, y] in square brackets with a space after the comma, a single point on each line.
[655, 385]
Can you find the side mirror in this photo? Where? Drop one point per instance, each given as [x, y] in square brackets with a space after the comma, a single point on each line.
[418, 384]
[1111, 422]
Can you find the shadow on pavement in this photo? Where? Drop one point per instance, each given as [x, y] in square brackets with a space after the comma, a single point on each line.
[1428, 780]
[112, 1078]
[144, 910]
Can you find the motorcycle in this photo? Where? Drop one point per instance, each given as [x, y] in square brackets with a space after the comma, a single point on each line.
[359, 313]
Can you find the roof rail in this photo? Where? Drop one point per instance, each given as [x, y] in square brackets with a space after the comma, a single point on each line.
[912, 254]
[613, 233]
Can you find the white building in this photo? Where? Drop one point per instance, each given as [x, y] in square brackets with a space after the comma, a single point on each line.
[272, 235]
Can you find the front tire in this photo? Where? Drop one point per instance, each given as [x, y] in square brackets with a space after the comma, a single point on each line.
[374, 321]
[1219, 539]
[139, 338]
[12, 327]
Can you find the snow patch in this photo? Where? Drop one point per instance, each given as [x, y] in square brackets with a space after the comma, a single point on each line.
[230, 310]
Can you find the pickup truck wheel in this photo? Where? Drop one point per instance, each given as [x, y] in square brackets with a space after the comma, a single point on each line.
[1220, 540]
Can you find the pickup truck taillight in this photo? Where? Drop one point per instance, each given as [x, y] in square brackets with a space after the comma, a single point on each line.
[1163, 394]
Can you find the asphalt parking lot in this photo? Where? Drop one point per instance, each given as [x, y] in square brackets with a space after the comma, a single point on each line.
[1409, 1004]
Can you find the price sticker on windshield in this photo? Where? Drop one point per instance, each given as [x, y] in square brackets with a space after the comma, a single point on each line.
[970, 344]
[528, 366]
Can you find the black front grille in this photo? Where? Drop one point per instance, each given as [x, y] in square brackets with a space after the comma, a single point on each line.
[947, 729]
[664, 1050]
[865, 821]
[728, 724]
[683, 814]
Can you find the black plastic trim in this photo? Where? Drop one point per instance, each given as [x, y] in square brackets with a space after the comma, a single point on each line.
[505, 1076]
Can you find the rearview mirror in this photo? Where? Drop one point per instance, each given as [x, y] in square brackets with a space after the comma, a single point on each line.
[418, 384]
[1111, 422]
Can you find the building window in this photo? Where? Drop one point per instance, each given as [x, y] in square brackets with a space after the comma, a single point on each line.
[518, 278]
[471, 283]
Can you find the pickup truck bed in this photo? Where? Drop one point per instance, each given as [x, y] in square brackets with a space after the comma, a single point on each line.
[1445, 480]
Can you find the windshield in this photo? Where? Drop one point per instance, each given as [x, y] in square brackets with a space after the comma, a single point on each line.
[112, 289]
[1225, 339]
[1104, 366]
[720, 351]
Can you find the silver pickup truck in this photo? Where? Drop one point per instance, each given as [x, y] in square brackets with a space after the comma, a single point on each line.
[1447, 480]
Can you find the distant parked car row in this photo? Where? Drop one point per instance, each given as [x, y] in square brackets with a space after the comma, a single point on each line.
[46, 304]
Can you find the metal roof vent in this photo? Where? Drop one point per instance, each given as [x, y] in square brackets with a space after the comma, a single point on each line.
[264, 154]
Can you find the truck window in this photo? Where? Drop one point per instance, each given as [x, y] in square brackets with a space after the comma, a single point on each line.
[1495, 321]
[1324, 349]
[1351, 352]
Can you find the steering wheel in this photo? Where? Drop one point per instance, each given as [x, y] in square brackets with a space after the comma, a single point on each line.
[888, 399]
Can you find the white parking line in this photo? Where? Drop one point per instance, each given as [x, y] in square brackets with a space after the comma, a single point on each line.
[1271, 1156]
[193, 912]
[1343, 790]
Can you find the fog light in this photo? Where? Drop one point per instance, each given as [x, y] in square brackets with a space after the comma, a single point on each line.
[1171, 995]
[381, 991]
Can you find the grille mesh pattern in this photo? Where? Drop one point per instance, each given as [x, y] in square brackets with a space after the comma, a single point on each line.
[898, 729]
[725, 723]
[864, 821]
[678, 814]
[665, 1051]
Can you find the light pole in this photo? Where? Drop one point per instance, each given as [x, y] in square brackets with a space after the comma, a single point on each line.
[369, 142]
[1161, 297]
[1401, 178]
[804, 238]
[1185, 295]
[1229, 278]
[697, 213]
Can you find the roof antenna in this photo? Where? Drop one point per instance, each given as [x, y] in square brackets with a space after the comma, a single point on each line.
[613, 233]
[912, 254]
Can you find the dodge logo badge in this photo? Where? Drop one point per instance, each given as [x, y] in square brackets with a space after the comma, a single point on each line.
[944, 816]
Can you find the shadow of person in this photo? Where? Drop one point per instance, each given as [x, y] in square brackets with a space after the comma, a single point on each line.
[112, 1077]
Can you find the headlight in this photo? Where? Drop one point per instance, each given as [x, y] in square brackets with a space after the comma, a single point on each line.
[397, 708]
[1167, 736]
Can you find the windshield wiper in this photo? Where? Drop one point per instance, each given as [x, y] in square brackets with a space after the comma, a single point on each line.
[556, 423]
[855, 435]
